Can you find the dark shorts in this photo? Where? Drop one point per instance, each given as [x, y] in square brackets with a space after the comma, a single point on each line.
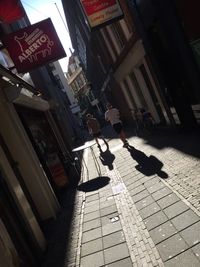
[118, 127]
[97, 134]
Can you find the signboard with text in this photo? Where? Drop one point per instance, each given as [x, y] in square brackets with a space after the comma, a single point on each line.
[34, 46]
[101, 12]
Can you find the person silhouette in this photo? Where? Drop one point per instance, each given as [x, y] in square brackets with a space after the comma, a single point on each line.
[107, 158]
[147, 165]
[113, 116]
[94, 129]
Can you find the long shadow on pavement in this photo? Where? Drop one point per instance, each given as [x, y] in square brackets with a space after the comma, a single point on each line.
[57, 231]
[147, 165]
[162, 137]
[187, 143]
[107, 158]
[94, 184]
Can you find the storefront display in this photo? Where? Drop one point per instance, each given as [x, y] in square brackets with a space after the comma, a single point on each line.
[46, 145]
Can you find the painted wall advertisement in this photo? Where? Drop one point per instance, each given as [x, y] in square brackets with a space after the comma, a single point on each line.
[100, 12]
[34, 46]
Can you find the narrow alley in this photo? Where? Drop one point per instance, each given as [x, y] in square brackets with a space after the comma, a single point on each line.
[142, 210]
[73, 72]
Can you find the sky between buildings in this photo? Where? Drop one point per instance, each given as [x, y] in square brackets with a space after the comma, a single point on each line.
[38, 10]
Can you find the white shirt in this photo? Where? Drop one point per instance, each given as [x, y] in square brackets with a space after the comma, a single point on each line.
[113, 116]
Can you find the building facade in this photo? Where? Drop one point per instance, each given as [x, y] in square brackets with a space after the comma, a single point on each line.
[118, 65]
[60, 77]
[170, 33]
[81, 87]
[35, 156]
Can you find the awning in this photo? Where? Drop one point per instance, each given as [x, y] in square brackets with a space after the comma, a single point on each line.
[26, 98]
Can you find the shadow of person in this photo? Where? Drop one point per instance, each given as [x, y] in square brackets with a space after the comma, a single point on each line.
[94, 184]
[107, 158]
[147, 165]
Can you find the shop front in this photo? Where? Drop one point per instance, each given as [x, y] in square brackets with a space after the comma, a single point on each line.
[26, 196]
[46, 146]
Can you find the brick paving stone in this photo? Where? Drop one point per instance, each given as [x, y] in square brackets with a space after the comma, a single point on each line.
[144, 179]
[113, 239]
[171, 247]
[183, 172]
[185, 219]
[92, 193]
[162, 232]
[121, 263]
[196, 250]
[168, 200]
[133, 227]
[116, 253]
[134, 185]
[184, 259]
[107, 219]
[91, 247]
[175, 209]
[152, 182]
[155, 187]
[92, 203]
[125, 171]
[161, 193]
[155, 220]
[106, 193]
[144, 202]
[111, 228]
[136, 190]
[107, 203]
[149, 210]
[129, 179]
[192, 234]
[91, 224]
[108, 210]
[91, 235]
[93, 260]
[92, 197]
[92, 216]
[140, 196]
[91, 208]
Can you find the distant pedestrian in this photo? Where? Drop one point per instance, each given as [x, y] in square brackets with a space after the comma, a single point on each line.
[94, 129]
[113, 116]
[147, 118]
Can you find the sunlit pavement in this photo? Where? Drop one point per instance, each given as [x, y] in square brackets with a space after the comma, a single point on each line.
[143, 210]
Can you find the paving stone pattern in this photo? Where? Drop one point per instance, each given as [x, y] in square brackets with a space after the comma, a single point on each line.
[166, 214]
[139, 219]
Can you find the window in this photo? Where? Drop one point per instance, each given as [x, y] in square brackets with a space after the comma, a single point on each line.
[73, 86]
[151, 90]
[80, 81]
[119, 35]
[137, 89]
[129, 93]
[109, 43]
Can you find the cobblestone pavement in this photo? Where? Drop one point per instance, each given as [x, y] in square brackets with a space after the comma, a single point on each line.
[143, 210]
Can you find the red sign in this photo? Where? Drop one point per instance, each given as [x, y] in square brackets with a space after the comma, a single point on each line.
[11, 10]
[99, 12]
[34, 46]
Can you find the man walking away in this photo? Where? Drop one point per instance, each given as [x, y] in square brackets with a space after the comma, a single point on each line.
[94, 129]
[113, 116]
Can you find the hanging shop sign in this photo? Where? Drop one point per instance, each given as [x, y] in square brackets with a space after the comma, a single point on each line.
[10, 11]
[101, 12]
[34, 46]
